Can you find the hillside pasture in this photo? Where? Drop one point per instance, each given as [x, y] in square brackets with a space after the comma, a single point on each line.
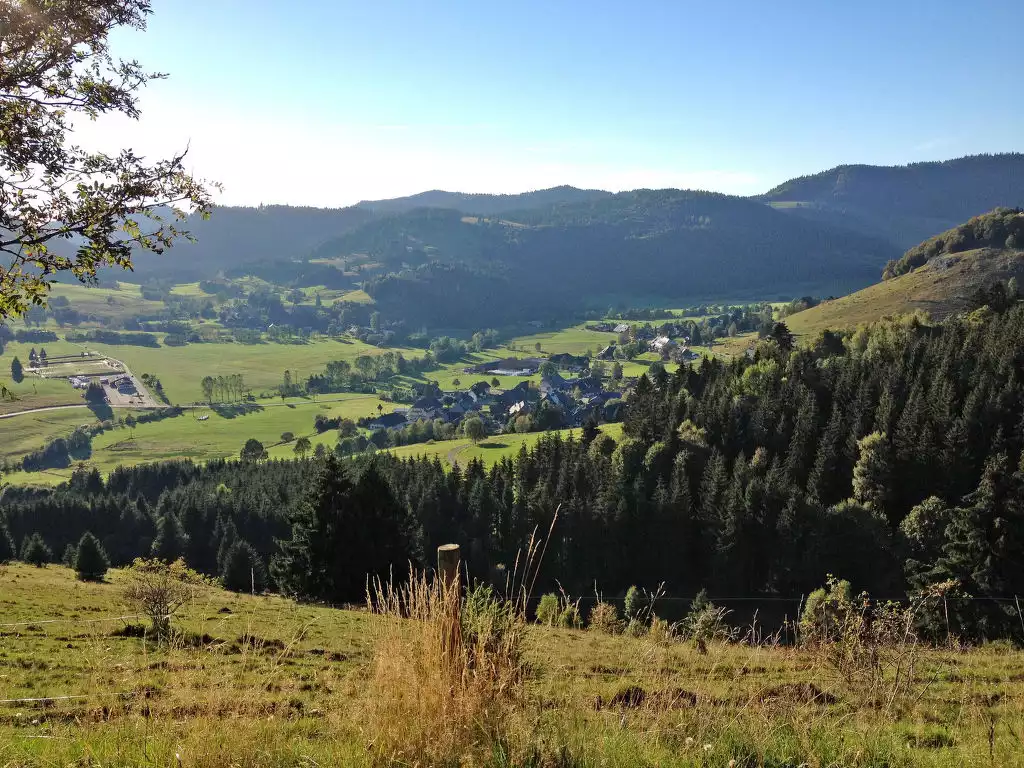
[940, 287]
[263, 681]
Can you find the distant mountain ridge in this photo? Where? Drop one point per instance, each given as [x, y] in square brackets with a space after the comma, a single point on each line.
[905, 204]
[825, 234]
[485, 204]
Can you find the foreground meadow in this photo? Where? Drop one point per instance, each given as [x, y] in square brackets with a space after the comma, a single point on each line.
[262, 681]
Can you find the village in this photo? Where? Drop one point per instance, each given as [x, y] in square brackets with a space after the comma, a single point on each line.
[573, 389]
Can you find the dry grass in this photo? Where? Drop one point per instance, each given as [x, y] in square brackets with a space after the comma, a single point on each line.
[261, 681]
[446, 681]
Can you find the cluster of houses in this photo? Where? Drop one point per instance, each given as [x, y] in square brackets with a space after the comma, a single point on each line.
[575, 399]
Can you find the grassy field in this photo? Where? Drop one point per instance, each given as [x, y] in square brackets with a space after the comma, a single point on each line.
[261, 681]
[183, 436]
[576, 340]
[490, 450]
[24, 434]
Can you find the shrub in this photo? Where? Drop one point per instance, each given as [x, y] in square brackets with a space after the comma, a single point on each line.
[159, 590]
[35, 552]
[559, 611]
[825, 611]
[91, 562]
[549, 609]
[704, 623]
[604, 617]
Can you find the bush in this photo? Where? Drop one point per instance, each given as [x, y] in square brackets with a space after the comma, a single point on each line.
[158, 590]
[604, 617]
[549, 609]
[91, 562]
[825, 611]
[35, 552]
[559, 611]
[704, 623]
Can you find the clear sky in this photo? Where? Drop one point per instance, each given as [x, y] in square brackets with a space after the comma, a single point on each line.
[326, 102]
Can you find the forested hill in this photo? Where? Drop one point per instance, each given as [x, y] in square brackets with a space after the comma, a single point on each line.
[905, 204]
[234, 236]
[483, 204]
[664, 245]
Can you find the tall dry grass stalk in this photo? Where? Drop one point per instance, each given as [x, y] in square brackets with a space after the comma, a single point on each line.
[446, 681]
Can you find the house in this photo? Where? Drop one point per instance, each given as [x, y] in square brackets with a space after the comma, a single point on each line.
[553, 383]
[520, 408]
[520, 391]
[387, 421]
[510, 366]
[588, 385]
[426, 409]
[621, 328]
[661, 344]
[569, 362]
[608, 353]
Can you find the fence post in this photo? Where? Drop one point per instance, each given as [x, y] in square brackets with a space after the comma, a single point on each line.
[448, 561]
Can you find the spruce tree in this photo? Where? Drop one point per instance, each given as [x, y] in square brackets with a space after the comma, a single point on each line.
[17, 372]
[7, 550]
[91, 562]
[243, 568]
[35, 552]
[342, 533]
[170, 541]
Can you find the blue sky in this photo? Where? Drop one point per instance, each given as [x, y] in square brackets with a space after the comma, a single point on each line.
[326, 102]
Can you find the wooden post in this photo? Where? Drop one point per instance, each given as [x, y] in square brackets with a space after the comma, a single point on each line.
[449, 559]
[448, 562]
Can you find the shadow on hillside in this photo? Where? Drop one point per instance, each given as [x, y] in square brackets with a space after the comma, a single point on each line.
[230, 411]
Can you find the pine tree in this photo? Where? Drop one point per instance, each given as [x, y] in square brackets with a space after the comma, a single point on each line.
[873, 472]
[35, 552]
[91, 562]
[342, 533]
[17, 371]
[7, 550]
[170, 542]
[243, 568]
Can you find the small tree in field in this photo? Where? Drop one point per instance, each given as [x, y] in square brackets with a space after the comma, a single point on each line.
[17, 372]
[35, 551]
[473, 428]
[91, 561]
[253, 451]
[159, 590]
[302, 447]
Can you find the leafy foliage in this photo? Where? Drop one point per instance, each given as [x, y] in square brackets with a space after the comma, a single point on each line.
[55, 64]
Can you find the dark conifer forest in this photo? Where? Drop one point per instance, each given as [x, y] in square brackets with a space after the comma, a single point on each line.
[891, 457]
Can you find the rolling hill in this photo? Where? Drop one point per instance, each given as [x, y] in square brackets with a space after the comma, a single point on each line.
[483, 204]
[940, 276]
[651, 245]
[904, 204]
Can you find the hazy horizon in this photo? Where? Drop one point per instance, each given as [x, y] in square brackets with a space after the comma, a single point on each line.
[329, 103]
